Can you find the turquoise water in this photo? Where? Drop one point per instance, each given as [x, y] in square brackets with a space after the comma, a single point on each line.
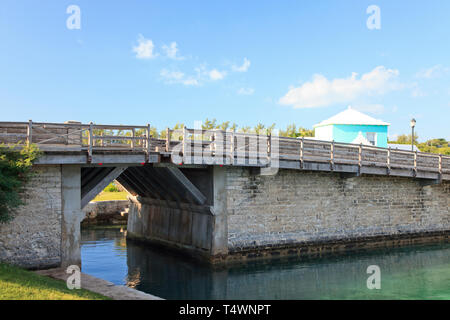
[419, 272]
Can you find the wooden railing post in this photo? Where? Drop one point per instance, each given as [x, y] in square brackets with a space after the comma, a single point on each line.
[101, 140]
[332, 155]
[415, 163]
[302, 145]
[360, 158]
[388, 161]
[232, 147]
[30, 132]
[133, 134]
[167, 140]
[212, 145]
[269, 147]
[148, 142]
[184, 143]
[90, 140]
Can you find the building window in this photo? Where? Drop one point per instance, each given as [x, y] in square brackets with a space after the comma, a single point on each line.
[372, 137]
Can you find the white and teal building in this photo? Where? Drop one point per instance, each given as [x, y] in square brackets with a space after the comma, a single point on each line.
[352, 126]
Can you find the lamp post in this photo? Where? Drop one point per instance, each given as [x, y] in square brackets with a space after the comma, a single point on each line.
[413, 125]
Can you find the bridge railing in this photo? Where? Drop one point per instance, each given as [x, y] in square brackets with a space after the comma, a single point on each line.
[229, 145]
[73, 136]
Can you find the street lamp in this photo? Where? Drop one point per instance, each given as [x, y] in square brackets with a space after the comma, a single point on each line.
[413, 124]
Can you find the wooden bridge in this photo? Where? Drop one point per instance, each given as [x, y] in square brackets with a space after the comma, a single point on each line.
[112, 145]
[184, 192]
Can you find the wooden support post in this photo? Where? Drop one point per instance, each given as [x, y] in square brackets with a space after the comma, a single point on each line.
[133, 134]
[388, 161]
[440, 167]
[359, 158]
[302, 145]
[148, 143]
[90, 141]
[101, 140]
[184, 143]
[332, 156]
[30, 132]
[167, 140]
[269, 147]
[212, 145]
[415, 163]
[232, 148]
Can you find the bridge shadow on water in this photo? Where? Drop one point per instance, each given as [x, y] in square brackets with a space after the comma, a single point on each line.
[419, 272]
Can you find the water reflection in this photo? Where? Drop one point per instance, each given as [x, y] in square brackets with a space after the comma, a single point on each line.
[408, 273]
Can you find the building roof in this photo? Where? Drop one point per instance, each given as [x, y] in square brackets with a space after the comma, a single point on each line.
[352, 116]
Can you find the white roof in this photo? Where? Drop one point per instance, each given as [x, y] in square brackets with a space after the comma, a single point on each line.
[352, 116]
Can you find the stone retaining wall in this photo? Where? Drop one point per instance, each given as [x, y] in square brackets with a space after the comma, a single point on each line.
[106, 212]
[295, 208]
[33, 238]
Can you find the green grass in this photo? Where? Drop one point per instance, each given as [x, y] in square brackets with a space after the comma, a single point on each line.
[20, 284]
[108, 196]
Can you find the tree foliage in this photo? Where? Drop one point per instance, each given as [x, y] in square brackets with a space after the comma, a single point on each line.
[15, 171]
[440, 146]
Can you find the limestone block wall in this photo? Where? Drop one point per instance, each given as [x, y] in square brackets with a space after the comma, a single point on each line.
[106, 212]
[33, 238]
[300, 207]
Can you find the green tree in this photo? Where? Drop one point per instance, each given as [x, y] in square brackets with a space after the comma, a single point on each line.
[15, 171]
[294, 132]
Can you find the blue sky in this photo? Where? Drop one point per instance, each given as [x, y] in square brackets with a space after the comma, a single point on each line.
[163, 62]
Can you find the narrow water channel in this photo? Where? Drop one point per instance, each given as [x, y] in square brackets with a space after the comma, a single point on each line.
[419, 272]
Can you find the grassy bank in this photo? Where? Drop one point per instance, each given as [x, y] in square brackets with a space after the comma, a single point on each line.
[108, 196]
[20, 284]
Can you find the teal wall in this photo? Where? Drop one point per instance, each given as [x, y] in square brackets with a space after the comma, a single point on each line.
[349, 132]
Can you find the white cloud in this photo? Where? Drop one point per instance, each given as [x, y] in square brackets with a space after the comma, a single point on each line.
[173, 75]
[433, 72]
[144, 49]
[242, 68]
[246, 91]
[322, 92]
[202, 75]
[178, 77]
[216, 74]
[172, 51]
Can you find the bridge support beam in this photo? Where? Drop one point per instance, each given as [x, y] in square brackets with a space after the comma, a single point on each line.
[100, 182]
[219, 241]
[71, 215]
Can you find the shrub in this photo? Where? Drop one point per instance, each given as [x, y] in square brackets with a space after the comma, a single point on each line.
[15, 171]
[112, 188]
